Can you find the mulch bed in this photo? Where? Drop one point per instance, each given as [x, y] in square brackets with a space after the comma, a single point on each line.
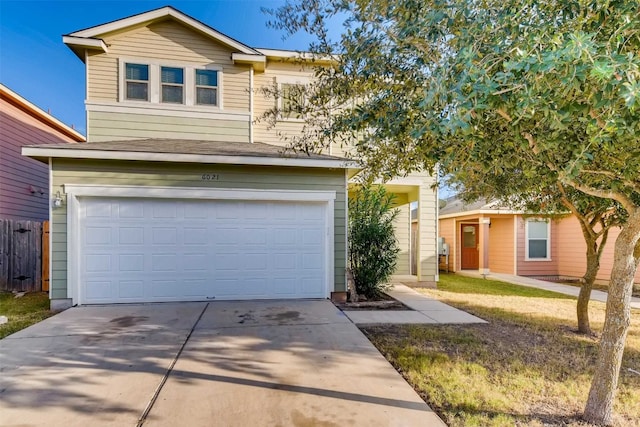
[385, 302]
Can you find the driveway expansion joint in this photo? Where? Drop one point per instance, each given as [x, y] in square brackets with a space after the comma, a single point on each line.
[165, 377]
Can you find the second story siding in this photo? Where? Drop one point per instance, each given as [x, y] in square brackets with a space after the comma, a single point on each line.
[171, 44]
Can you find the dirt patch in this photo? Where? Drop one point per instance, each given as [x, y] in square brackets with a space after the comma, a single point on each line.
[385, 302]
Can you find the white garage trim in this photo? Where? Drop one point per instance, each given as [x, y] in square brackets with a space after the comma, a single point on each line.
[76, 191]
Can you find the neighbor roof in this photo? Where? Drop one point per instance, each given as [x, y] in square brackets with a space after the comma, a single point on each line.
[457, 207]
[21, 103]
[189, 151]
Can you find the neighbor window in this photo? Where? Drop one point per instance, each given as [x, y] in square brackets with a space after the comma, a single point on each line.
[137, 82]
[172, 81]
[538, 236]
[292, 100]
[206, 87]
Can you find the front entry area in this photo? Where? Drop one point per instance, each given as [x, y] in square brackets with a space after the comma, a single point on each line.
[470, 255]
[157, 250]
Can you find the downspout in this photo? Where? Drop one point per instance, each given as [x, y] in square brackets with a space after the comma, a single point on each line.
[251, 105]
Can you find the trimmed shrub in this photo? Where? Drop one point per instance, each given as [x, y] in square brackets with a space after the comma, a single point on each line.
[373, 248]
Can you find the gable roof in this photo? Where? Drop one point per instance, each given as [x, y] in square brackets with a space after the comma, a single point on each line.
[90, 38]
[41, 115]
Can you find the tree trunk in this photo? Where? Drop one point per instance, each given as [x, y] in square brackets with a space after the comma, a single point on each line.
[599, 407]
[593, 265]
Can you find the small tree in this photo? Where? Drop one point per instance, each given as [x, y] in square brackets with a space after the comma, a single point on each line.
[373, 249]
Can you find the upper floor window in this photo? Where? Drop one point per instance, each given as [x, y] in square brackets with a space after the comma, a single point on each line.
[167, 85]
[172, 81]
[292, 100]
[538, 238]
[137, 82]
[206, 87]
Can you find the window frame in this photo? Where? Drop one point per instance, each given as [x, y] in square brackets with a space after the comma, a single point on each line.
[527, 239]
[196, 86]
[180, 85]
[301, 81]
[154, 98]
[126, 81]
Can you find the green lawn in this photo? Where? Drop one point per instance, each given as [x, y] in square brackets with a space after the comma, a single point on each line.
[526, 367]
[22, 312]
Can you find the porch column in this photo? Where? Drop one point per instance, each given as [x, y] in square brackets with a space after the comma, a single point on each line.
[427, 248]
[485, 223]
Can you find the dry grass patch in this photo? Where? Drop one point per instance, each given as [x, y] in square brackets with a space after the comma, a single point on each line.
[526, 367]
[24, 311]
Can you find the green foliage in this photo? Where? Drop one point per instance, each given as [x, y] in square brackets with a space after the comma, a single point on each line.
[500, 89]
[373, 249]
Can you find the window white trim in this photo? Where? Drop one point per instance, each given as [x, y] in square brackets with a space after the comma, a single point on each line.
[289, 80]
[155, 83]
[526, 239]
[182, 85]
[75, 192]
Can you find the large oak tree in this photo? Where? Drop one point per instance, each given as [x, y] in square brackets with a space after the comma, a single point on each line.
[504, 84]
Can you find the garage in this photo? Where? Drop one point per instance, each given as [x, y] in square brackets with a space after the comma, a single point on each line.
[165, 220]
[155, 250]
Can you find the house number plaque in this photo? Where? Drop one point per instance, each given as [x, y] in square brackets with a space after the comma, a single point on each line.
[210, 177]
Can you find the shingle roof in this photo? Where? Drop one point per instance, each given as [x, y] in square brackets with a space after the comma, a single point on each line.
[456, 205]
[197, 147]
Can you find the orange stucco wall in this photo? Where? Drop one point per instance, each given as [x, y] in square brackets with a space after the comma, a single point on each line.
[447, 231]
[572, 249]
[501, 242]
[537, 268]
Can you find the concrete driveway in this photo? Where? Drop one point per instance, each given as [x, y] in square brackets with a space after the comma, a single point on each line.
[269, 363]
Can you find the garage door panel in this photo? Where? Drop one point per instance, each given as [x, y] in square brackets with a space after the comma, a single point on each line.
[161, 250]
[131, 289]
[97, 236]
[131, 236]
[131, 210]
[131, 263]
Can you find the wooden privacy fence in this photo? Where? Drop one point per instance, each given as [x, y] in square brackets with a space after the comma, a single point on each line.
[22, 267]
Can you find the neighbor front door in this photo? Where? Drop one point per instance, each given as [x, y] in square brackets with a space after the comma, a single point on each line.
[469, 254]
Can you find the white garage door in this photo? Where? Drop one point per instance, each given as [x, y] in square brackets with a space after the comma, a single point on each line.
[149, 250]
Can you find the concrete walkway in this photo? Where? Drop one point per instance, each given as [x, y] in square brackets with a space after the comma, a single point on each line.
[233, 364]
[425, 310]
[549, 286]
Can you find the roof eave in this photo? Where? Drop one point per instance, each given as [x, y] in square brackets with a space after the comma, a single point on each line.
[163, 12]
[257, 61]
[40, 153]
[80, 44]
[291, 55]
[41, 114]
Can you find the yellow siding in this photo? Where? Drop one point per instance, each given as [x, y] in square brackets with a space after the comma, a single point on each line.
[427, 228]
[402, 226]
[262, 103]
[171, 42]
[121, 126]
[188, 175]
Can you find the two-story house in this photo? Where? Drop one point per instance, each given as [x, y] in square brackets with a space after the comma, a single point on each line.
[181, 195]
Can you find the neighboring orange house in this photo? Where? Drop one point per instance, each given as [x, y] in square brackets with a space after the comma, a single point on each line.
[24, 182]
[489, 238]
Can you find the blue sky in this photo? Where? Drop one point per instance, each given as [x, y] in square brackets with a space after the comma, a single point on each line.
[37, 65]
